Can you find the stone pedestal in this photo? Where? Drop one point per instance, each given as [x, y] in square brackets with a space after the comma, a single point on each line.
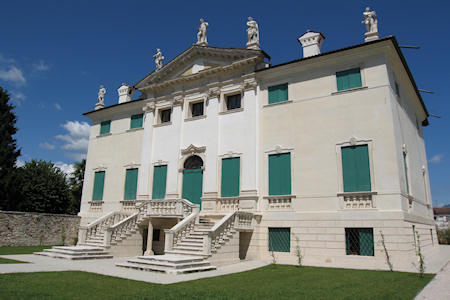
[253, 46]
[203, 44]
[99, 106]
[371, 36]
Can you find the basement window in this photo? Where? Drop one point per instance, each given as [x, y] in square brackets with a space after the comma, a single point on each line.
[359, 241]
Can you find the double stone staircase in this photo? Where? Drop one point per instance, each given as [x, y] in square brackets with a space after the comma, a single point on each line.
[188, 245]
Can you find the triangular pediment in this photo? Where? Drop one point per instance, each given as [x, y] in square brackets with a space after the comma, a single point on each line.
[198, 59]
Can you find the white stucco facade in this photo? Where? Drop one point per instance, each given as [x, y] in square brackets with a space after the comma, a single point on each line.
[385, 113]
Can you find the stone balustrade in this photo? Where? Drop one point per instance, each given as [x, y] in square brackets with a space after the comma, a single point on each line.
[279, 203]
[358, 200]
[227, 204]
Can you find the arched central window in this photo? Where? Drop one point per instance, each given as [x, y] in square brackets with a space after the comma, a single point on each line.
[193, 162]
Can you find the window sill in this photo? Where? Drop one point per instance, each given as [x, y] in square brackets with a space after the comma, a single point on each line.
[103, 135]
[162, 124]
[195, 118]
[230, 111]
[350, 90]
[99, 202]
[135, 129]
[278, 103]
[356, 193]
[280, 197]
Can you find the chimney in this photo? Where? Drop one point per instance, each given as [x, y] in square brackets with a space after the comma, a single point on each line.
[311, 42]
[125, 93]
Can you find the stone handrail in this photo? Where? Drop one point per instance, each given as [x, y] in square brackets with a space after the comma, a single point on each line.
[177, 232]
[100, 225]
[167, 207]
[113, 233]
[244, 221]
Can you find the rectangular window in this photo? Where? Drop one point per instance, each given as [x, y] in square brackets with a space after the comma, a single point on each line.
[280, 174]
[136, 121]
[105, 127]
[405, 168]
[280, 239]
[278, 93]
[359, 241]
[156, 235]
[356, 168]
[197, 109]
[397, 90]
[233, 101]
[159, 182]
[99, 183]
[230, 177]
[164, 115]
[131, 184]
[348, 79]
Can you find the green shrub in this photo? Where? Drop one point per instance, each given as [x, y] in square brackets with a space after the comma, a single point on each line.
[444, 236]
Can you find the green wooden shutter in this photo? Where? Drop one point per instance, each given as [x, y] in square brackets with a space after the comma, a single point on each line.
[280, 174]
[356, 168]
[366, 241]
[131, 184]
[159, 182]
[99, 183]
[105, 127]
[230, 177]
[136, 121]
[192, 185]
[280, 239]
[278, 93]
[348, 79]
[405, 167]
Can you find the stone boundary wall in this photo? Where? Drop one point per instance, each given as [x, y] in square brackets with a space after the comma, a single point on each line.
[31, 228]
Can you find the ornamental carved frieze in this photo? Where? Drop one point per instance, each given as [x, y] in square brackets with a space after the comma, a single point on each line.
[178, 100]
[192, 149]
[213, 93]
[149, 107]
[249, 85]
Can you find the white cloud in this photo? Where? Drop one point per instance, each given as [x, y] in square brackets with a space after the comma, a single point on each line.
[76, 156]
[20, 163]
[13, 74]
[66, 168]
[17, 98]
[436, 159]
[57, 106]
[47, 146]
[41, 66]
[76, 139]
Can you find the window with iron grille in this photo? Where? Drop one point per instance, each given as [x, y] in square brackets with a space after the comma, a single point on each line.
[280, 239]
[233, 101]
[165, 115]
[197, 109]
[359, 241]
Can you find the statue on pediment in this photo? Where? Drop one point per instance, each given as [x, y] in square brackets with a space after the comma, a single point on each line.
[158, 59]
[101, 98]
[252, 34]
[201, 35]
[370, 20]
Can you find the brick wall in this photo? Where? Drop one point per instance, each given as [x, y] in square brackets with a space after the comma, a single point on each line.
[28, 228]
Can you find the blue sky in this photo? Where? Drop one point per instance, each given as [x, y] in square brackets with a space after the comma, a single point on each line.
[55, 54]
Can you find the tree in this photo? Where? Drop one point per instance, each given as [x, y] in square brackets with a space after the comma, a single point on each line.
[8, 149]
[76, 180]
[43, 188]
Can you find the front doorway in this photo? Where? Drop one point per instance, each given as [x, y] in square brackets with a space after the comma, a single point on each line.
[193, 179]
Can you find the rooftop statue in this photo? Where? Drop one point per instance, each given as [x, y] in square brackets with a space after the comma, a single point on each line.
[252, 34]
[201, 35]
[370, 20]
[101, 98]
[158, 59]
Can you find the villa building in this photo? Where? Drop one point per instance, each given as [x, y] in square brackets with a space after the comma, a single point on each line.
[226, 157]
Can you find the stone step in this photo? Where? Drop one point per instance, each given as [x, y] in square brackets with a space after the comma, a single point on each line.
[184, 252]
[73, 257]
[172, 258]
[78, 248]
[187, 248]
[184, 265]
[165, 269]
[193, 237]
[189, 244]
[75, 253]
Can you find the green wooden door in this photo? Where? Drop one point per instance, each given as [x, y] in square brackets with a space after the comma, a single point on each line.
[356, 168]
[131, 184]
[193, 185]
[230, 177]
[99, 183]
[280, 174]
[159, 182]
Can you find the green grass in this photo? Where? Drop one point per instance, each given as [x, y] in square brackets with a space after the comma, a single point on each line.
[10, 261]
[10, 250]
[271, 282]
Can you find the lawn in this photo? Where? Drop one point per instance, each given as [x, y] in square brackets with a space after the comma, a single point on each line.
[270, 282]
[10, 261]
[10, 250]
